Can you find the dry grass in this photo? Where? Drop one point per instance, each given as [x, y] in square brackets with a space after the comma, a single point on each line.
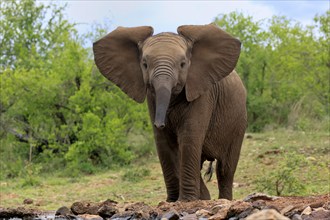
[260, 152]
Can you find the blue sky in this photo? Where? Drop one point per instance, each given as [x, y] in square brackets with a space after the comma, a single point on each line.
[168, 15]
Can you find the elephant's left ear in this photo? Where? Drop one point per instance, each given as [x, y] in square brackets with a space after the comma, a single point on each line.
[214, 55]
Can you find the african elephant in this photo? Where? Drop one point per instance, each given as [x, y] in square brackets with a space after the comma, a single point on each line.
[196, 100]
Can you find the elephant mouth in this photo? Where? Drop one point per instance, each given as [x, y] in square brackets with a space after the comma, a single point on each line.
[177, 89]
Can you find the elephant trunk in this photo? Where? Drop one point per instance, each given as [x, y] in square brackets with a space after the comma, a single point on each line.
[163, 88]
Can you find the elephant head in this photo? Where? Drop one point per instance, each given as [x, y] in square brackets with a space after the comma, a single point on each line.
[194, 59]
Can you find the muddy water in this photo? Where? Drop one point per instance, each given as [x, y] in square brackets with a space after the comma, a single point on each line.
[43, 216]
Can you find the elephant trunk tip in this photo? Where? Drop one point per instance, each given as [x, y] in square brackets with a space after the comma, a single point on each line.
[159, 125]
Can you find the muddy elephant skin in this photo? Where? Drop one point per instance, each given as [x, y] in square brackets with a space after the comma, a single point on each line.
[196, 100]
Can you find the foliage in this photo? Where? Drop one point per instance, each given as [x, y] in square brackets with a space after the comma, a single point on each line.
[56, 108]
[136, 174]
[284, 179]
[284, 66]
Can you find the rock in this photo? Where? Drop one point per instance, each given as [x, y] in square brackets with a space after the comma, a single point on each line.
[215, 209]
[221, 214]
[171, 215]
[63, 211]
[221, 204]
[307, 211]
[259, 204]
[286, 209]
[326, 205]
[107, 211]
[247, 212]
[248, 136]
[123, 216]
[272, 207]
[78, 208]
[190, 217]
[318, 215]
[296, 217]
[28, 201]
[237, 208]
[269, 214]
[203, 213]
[109, 202]
[90, 217]
[257, 196]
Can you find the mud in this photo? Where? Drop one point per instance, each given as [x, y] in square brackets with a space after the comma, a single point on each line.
[254, 206]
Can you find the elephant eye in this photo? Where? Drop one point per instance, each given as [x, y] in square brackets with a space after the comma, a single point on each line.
[183, 64]
[145, 65]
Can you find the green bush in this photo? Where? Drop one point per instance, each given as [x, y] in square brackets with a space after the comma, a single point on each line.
[282, 63]
[286, 178]
[135, 174]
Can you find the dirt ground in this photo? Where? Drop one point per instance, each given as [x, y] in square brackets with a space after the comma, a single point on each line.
[254, 206]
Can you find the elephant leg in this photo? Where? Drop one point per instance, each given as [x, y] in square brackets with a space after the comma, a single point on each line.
[190, 146]
[225, 181]
[204, 192]
[168, 156]
[226, 167]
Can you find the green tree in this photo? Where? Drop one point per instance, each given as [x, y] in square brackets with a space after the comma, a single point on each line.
[29, 31]
[284, 67]
[57, 110]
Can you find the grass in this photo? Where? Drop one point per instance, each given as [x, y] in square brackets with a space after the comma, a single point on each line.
[261, 154]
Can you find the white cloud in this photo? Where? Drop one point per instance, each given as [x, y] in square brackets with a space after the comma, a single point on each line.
[168, 15]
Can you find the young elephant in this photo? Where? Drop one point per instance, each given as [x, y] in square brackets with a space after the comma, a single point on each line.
[196, 100]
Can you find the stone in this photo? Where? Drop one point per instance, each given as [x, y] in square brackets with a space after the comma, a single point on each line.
[78, 208]
[221, 214]
[259, 204]
[307, 211]
[171, 215]
[90, 217]
[107, 211]
[318, 215]
[286, 209]
[203, 213]
[326, 205]
[246, 213]
[190, 217]
[123, 216]
[238, 207]
[28, 201]
[269, 214]
[296, 217]
[248, 136]
[63, 211]
[257, 196]
[224, 204]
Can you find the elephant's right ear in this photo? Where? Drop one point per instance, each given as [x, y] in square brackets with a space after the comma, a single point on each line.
[117, 57]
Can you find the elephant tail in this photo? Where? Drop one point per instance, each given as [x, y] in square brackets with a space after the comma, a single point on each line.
[209, 172]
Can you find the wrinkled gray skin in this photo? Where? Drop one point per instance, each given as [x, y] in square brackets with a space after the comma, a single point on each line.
[196, 100]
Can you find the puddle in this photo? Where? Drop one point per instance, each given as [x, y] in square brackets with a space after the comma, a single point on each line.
[44, 216]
